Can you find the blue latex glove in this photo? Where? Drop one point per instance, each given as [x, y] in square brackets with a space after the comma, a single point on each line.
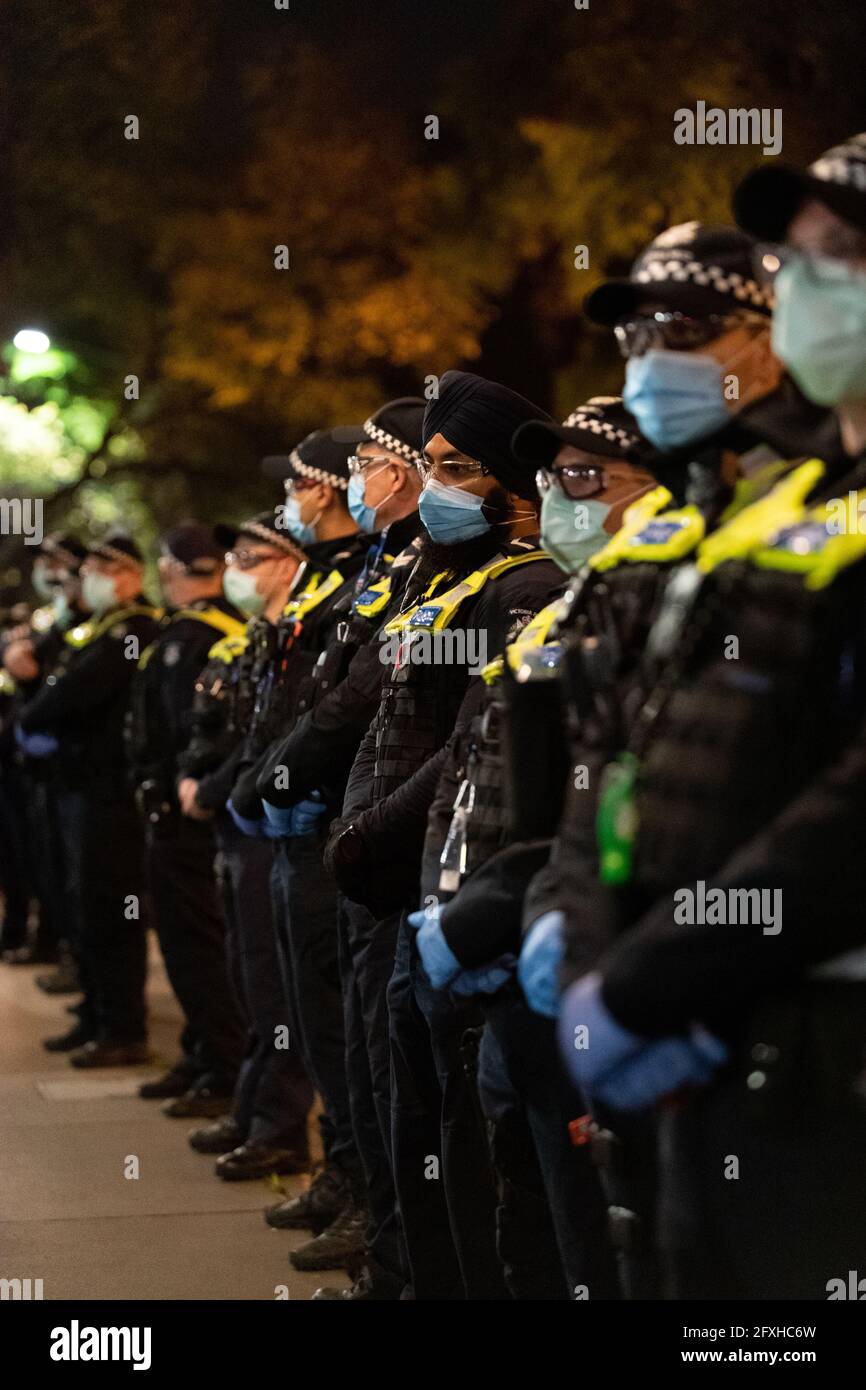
[540, 959]
[438, 959]
[621, 1068]
[35, 745]
[254, 828]
[662, 1068]
[487, 979]
[307, 815]
[279, 818]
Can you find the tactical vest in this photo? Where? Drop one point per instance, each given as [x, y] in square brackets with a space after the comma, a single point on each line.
[421, 700]
[752, 675]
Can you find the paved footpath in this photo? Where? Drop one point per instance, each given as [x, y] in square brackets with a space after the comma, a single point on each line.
[69, 1216]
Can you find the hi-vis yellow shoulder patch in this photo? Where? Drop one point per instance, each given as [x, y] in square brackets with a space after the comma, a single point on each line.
[227, 649]
[755, 524]
[650, 534]
[821, 543]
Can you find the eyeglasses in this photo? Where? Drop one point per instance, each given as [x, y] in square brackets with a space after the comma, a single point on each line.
[293, 485]
[359, 462]
[576, 480]
[452, 473]
[249, 559]
[675, 331]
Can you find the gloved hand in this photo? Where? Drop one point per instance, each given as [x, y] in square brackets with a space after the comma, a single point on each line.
[621, 1068]
[279, 818]
[661, 1068]
[307, 815]
[438, 959]
[487, 979]
[538, 966]
[250, 827]
[35, 745]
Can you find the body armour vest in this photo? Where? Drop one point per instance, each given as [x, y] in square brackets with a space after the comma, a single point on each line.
[751, 675]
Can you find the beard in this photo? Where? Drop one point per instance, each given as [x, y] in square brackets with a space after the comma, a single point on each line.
[462, 557]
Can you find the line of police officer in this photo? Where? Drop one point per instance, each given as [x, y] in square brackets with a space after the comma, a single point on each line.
[454, 765]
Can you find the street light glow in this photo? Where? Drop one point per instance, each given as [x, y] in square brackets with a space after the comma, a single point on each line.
[31, 340]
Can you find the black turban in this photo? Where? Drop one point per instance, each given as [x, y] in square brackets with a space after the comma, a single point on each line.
[479, 418]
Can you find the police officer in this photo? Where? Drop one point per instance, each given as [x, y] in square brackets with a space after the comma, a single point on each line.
[481, 576]
[179, 851]
[748, 827]
[264, 1127]
[83, 708]
[551, 1223]
[383, 499]
[30, 659]
[316, 477]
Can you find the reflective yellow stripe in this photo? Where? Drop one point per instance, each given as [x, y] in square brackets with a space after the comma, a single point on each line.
[85, 633]
[621, 545]
[227, 648]
[756, 524]
[319, 588]
[818, 544]
[212, 617]
[436, 611]
[529, 639]
[7, 684]
[369, 607]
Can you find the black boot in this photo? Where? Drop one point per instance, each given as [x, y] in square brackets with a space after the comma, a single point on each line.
[339, 1246]
[253, 1160]
[313, 1210]
[106, 1053]
[175, 1082]
[219, 1138]
[79, 1034]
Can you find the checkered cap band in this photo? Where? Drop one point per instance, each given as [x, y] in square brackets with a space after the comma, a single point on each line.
[264, 533]
[319, 475]
[711, 277]
[391, 443]
[586, 418]
[845, 165]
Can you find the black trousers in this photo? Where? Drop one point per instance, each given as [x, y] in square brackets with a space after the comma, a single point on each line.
[444, 1179]
[107, 863]
[553, 1228]
[191, 930]
[366, 965]
[14, 858]
[273, 1094]
[305, 915]
[46, 856]
[763, 1188]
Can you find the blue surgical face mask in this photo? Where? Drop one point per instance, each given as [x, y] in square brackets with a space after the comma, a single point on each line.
[819, 328]
[676, 397]
[304, 532]
[362, 514]
[451, 515]
[62, 611]
[572, 531]
[42, 584]
[241, 588]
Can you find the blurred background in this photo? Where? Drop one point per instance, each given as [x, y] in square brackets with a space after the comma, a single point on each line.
[150, 351]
